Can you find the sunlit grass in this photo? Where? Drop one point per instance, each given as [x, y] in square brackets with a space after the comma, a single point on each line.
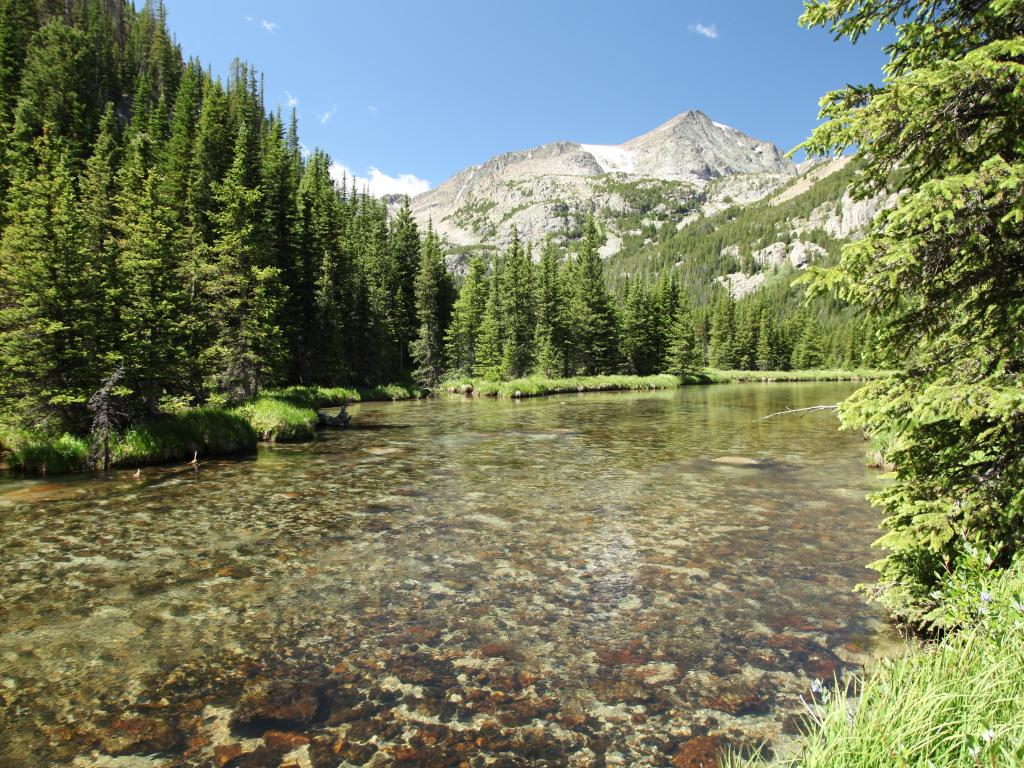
[534, 386]
[955, 703]
[38, 454]
[208, 431]
[825, 374]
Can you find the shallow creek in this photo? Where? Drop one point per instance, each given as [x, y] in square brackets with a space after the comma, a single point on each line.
[606, 579]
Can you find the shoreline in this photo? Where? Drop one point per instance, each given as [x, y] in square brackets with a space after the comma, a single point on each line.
[289, 415]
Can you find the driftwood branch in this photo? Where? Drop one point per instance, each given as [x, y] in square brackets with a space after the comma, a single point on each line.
[801, 410]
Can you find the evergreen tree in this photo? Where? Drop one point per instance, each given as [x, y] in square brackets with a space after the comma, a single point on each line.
[551, 336]
[722, 345]
[594, 326]
[467, 319]
[245, 353]
[431, 313]
[517, 306]
[644, 329]
[684, 356]
[490, 343]
[50, 292]
[940, 276]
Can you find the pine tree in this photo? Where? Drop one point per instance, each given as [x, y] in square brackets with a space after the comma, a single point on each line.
[244, 285]
[595, 340]
[150, 346]
[98, 208]
[644, 329]
[467, 318]
[551, 338]
[517, 305]
[405, 248]
[431, 312]
[684, 357]
[50, 292]
[722, 345]
[490, 343]
[940, 277]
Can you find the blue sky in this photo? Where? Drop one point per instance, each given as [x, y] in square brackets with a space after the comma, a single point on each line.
[406, 93]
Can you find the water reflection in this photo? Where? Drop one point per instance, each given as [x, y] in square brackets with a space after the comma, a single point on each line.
[568, 580]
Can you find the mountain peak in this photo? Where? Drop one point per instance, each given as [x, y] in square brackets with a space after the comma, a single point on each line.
[532, 190]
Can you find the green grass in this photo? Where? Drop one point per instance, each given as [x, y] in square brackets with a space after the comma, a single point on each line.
[954, 703]
[280, 418]
[208, 431]
[37, 454]
[535, 386]
[325, 397]
[859, 374]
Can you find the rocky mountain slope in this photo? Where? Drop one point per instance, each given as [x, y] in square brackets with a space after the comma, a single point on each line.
[688, 166]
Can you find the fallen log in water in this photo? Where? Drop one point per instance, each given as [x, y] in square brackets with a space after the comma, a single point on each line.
[340, 421]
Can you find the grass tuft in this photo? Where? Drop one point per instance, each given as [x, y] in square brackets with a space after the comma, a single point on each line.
[208, 430]
[37, 454]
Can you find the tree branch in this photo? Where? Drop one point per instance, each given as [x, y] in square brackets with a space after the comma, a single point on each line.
[801, 410]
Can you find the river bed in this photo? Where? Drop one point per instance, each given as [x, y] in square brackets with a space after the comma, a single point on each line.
[593, 580]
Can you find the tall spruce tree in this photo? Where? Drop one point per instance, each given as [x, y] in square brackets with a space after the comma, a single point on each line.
[245, 353]
[551, 336]
[432, 293]
[684, 356]
[595, 337]
[941, 278]
[490, 342]
[50, 294]
[517, 306]
[467, 318]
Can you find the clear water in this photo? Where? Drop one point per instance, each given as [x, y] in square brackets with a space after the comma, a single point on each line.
[571, 580]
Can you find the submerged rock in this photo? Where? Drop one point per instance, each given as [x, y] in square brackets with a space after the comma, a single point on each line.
[139, 735]
[276, 702]
[741, 461]
[699, 752]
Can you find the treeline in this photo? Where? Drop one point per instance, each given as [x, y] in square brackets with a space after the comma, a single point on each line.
[161, 223]
[557, 317]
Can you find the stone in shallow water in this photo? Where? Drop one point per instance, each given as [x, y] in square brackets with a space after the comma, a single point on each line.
[139, 735]
[700, 752]
[276, 702]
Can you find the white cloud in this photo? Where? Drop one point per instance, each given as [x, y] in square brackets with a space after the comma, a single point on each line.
[250, 19]
[379, 183]
[269, 26]
[292, 101]
[306, 151]
[326, 116]
[371, 108]
[710, 31]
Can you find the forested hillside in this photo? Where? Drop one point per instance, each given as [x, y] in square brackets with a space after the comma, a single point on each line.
[160, 222]
[166, 241]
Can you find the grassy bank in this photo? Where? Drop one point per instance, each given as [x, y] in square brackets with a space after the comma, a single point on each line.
[860, 374]
[535, 386]
[958, 702]
[283, 415]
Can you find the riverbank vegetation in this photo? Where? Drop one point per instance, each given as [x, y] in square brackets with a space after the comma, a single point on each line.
[536, 385]
[162, 229]
[940, 279]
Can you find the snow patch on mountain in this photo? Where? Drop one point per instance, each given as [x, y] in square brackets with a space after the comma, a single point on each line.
[613, 158]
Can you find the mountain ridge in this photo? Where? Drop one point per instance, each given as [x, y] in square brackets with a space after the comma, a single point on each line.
[538, 191]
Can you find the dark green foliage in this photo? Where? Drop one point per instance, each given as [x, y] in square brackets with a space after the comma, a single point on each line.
[594, 346]
[517, 305]
[467, 318]
[941, 280]
[159, 221]
[431, 312]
